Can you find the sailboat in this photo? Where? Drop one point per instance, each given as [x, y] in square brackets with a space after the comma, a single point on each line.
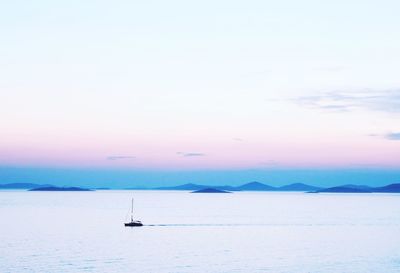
[133, 223]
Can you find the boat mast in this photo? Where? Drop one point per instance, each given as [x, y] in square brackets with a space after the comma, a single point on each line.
[132, 211]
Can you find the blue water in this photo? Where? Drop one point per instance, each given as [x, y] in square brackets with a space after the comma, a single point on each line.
[183, 232]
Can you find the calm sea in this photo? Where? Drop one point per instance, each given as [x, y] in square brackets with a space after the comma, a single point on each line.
[184, 232]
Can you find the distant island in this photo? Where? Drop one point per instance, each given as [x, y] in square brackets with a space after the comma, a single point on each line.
[255, 186]
[392, 188]
[210, 190]
[42, 187]
[388, 188]
[60, 189]
[298, 187]
[23, 186]
[342, 189]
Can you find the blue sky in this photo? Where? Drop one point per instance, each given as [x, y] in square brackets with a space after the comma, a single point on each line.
[214, 86]
[147, 179]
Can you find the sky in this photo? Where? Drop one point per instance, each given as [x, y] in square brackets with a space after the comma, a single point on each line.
[217, 91]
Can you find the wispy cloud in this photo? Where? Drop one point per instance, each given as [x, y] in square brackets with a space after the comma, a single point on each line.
[389, 136]
[190, 154]
[385, 100]
[120, 157]
[393, 136]
[237, 139]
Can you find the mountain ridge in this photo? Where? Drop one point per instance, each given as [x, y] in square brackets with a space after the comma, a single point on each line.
[210, 190]
[250, 186]
[59, 189]
[12, 186]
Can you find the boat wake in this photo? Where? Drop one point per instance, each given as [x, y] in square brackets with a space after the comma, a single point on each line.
[205, 225]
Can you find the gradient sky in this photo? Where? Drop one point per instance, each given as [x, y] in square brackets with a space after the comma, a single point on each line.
[218, 87]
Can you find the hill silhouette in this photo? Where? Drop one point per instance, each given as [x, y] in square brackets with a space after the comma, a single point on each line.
[389, 188]
[298, 187]
[343, 189]
[59, 189]
[255, 186]
[23, 186]
[210, 190]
